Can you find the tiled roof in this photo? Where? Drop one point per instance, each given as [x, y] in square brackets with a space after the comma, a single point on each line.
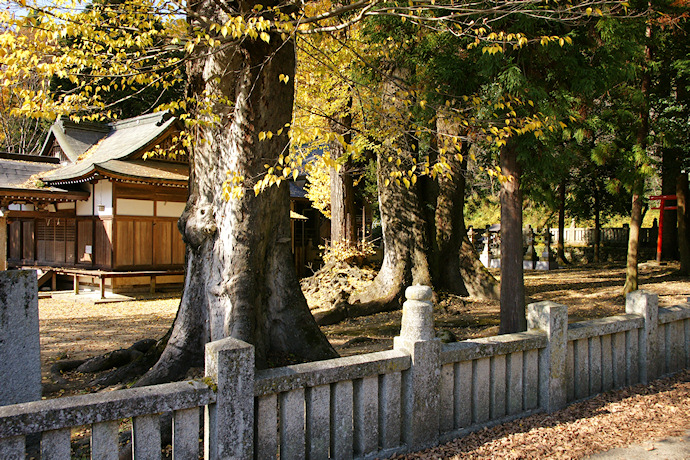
[125, 141]
[15, 173]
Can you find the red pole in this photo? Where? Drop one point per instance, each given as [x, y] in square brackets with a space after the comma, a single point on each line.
[661, 229]
[662, 207]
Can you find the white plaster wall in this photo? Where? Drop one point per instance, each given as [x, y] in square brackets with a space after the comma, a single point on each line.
[169, 209]
[85, 208]
[127, 207]
[103, 194]
[69, 205]
[28, 207]
[15, 207]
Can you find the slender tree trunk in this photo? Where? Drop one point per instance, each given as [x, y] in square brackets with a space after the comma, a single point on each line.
[682, 215]
[597, 224]
[631, 272]
[343, 211]
[512, 314]
[631, 275]
[670, 169]
[240, 281]
[560, 246]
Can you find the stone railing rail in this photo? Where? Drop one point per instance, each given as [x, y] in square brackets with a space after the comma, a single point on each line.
[375, 405]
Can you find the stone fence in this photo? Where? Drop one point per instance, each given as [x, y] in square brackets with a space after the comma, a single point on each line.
[418, 394]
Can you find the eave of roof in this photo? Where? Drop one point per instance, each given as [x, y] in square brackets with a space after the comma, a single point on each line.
[135, 171]
[128, 139]
[51, 194]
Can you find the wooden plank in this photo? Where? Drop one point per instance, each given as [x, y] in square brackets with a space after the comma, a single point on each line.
[178, 247]
[103, 243]
[28, 240]
[84, 238]
[143, 243]
[124, 250]
[160, 193]
[162, 238]
[15, 240]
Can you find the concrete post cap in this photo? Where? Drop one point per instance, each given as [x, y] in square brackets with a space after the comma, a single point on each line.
[418, 292]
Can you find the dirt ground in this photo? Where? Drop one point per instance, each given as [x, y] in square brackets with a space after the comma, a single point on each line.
[77, 327]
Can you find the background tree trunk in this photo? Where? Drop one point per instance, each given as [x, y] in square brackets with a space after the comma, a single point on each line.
[455, 264]
[512, 314]
[597, 224]
[240, 280]
[560, 245]
[683, 228]
[343, 211]
[404, 242]
[631, 274]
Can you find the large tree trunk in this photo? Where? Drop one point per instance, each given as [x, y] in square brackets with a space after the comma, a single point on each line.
[404, 241]
[513, 318]
[455, 264]
[683, 230]
[240, 280]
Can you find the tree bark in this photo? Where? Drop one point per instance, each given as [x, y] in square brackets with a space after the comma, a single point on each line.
[240, 281]
[631, 274]
[682, 215]
[513, 318]
[597, 224]
[455, 264]
[404, 241]
[343, 211]
[670, 170]
[560, 246]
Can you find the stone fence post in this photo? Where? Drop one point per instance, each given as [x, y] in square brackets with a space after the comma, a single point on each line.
[551, 318]
[421, 383]
[229, 423]
[20, 355]
[646, 304]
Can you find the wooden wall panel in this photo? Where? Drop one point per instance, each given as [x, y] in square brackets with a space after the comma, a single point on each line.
[28, 248]
[84, 238]
[137, 192]
[70, 241]
[124, 239]
[178, 246]
[143, 243]
[162, 243]
[103, 243]
[15, 237]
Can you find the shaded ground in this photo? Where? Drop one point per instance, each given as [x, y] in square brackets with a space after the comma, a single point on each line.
[75, 327]
[591, 292]
[641, 415]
